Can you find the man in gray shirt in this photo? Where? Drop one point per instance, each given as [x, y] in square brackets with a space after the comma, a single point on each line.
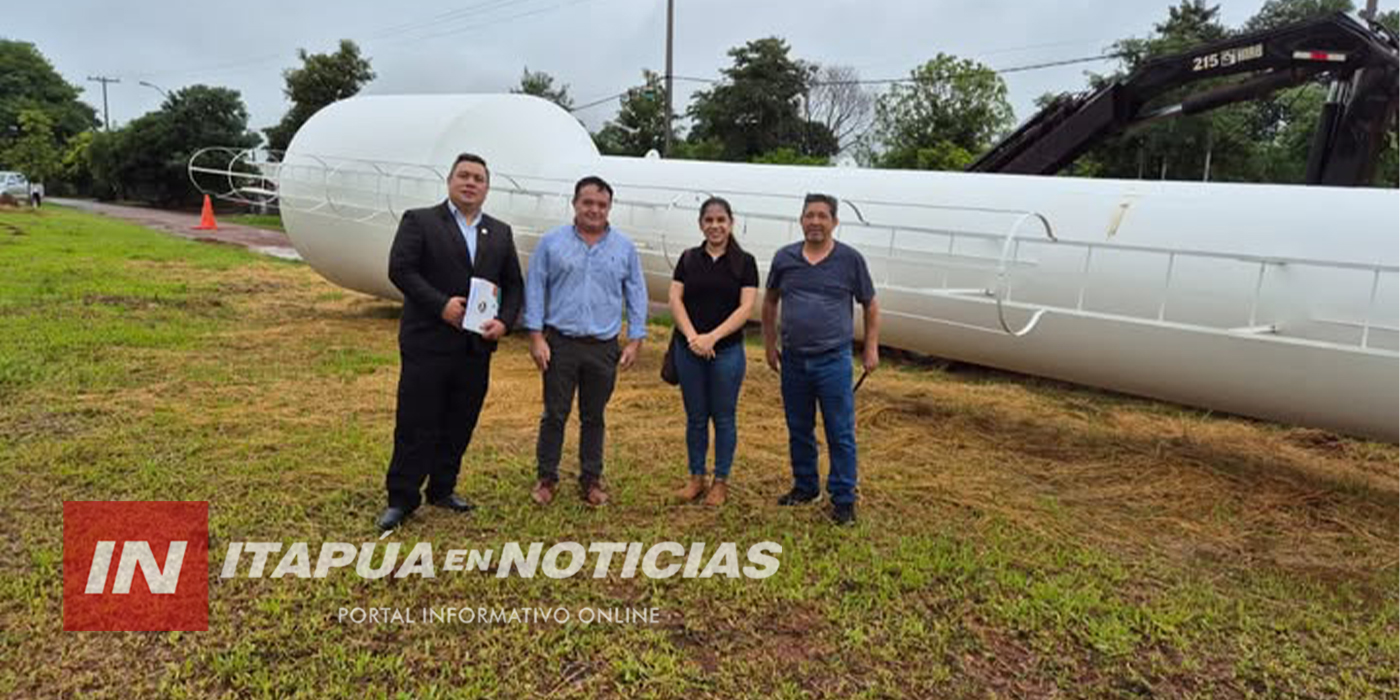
[817, 282]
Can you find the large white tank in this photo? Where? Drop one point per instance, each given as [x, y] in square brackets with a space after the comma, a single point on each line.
[1278, 302]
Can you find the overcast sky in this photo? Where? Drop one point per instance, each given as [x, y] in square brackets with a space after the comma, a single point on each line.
[597, 47]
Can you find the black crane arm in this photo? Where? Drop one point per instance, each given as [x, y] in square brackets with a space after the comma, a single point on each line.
[1362, 61]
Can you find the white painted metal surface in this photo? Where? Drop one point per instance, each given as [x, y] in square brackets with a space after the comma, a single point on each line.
[1278, 302]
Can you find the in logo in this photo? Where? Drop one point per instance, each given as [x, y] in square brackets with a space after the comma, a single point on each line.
[135, 565]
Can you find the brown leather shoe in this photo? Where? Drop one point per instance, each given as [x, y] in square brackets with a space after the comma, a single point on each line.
[593, 494]
[543, 492]
[719, 493]
[693, 489]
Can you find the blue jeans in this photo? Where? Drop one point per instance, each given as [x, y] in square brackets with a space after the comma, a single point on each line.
[822, 379]
[710, 390]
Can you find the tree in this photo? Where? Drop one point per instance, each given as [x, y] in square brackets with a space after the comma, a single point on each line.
[1277, 13]
[322, 79]
[103, 164]
[1388, 169]
[34, 153]
[950, 111]
[840, 103]
[756, 108]
[541, 84]
[1265, 140]
[1181, 148]
[75, 165]
[147, 158]
[1281, 125]
[1282, 149]
[640, 125]
[692, 149]
[788, 156]
[1188, 24]
[29, 82]
[1290, 119]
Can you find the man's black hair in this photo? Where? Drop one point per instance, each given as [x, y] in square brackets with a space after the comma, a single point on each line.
[815, 197]
[469, 158]
[593, 181]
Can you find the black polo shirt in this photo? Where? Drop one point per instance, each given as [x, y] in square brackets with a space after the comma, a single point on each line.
[712, 289]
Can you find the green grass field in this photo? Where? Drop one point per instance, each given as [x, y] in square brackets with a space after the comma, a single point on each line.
[1018, 537]
[267, 221]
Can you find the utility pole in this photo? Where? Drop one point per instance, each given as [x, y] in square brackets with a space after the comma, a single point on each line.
[106, 121]
[670, 78]
[1210, 146]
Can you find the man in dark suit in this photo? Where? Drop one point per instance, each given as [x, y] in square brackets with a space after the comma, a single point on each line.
[445, 369]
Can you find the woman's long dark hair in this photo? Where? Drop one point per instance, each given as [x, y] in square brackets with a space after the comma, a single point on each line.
[736, 254]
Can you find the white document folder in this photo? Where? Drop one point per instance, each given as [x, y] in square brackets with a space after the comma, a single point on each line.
[483, 304]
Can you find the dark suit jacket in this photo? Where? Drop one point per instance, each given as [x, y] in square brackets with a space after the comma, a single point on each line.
[429, 263]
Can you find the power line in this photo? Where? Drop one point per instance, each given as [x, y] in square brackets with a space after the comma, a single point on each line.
[597, 102]
[218, 68]
[471, 13]
[980, 55]
[888, 81]
[1047, 45]
[475, 24]
[1066, 62]
[499, 20]
[442, 18]
[876, 81]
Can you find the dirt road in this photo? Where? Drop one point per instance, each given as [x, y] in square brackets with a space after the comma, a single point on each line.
[183, 224]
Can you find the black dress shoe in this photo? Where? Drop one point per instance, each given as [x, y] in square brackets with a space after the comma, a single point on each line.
[795, 497]
[843, 514]
[455, 503]
[391, 518]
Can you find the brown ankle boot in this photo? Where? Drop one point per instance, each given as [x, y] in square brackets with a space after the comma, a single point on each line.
[693, 489]
[719, 493]
[593, 493]
[543, 492]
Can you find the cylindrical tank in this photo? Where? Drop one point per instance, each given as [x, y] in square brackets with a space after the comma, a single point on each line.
[1272, 301]
[355, 165]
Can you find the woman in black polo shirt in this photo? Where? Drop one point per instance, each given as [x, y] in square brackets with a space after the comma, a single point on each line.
[712, 296]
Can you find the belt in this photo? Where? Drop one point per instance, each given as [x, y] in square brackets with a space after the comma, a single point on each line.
[586, 339]
[819, 353]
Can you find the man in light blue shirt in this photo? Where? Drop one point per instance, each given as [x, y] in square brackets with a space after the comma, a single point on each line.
[581, 278]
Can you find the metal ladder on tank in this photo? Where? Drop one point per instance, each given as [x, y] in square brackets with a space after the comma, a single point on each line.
[255, 177]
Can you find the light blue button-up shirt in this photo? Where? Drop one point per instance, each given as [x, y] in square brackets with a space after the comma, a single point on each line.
[581, 289]
[468, 228]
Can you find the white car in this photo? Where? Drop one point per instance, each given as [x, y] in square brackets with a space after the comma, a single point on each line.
[15, 185]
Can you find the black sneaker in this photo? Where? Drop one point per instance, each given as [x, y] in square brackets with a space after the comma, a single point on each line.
[843, 513]
[454, 502]
[796, 498]
[391, 518]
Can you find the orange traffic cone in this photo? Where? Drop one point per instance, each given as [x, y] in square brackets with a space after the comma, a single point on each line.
[206, 217]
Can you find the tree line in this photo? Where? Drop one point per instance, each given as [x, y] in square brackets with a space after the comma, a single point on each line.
[766, 107]
[771, 108]
[50, 135]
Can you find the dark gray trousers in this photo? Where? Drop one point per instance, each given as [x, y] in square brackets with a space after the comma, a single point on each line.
[588, 366]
